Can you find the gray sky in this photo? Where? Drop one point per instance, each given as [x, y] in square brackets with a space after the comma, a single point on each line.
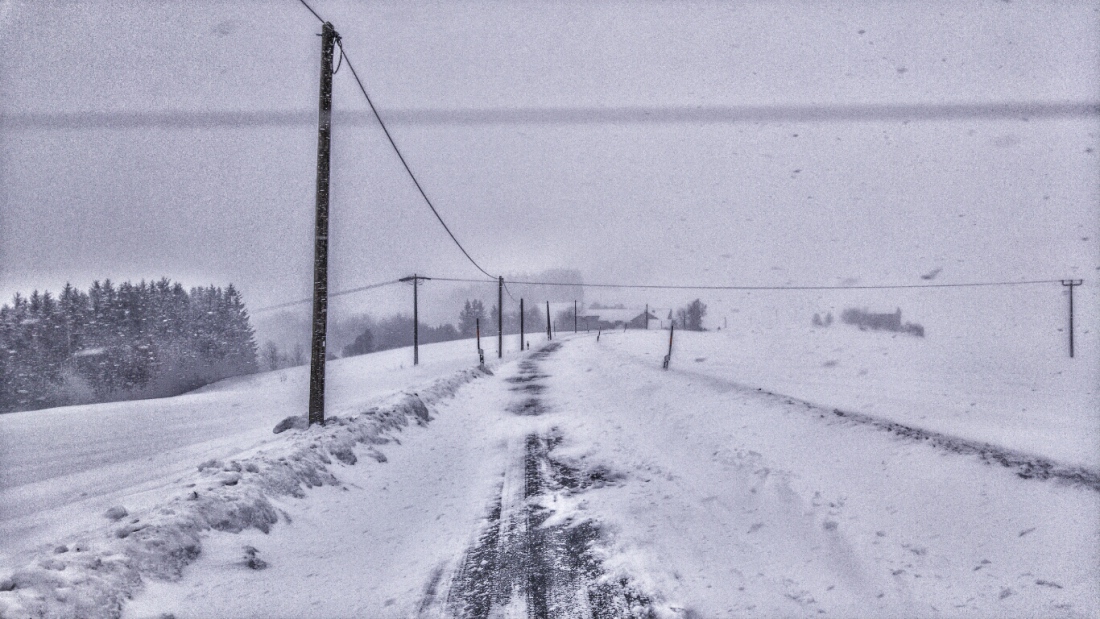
[813, 202]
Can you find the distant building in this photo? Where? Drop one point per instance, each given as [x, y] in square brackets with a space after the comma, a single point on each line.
[606, 319]
[642, 321]
[633, 318]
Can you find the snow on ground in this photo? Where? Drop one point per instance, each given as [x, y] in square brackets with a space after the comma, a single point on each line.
[368, 548]
[1041, 403]
[61, 468]
[586, 481]
[993, 365]
[91, 574]
[739, 503]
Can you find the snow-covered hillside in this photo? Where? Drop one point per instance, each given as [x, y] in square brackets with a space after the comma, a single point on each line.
[62, 467]
[583, 480]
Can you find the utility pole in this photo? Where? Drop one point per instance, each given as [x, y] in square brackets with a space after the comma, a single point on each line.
[320, 238]
[574, 315]
[521, 336]
[500, 317]
[1071, 283]
[647, 316]
[415, 279]
[549, 334]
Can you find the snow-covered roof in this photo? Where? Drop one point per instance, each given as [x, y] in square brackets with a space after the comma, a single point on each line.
[616, 315]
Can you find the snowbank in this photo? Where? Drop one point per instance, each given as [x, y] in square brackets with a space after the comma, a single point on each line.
[92, 574]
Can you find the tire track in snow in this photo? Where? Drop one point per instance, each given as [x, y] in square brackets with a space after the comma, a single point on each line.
[523, 565]
[1026, 466]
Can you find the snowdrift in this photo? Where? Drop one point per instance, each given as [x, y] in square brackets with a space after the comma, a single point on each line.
[92, 574]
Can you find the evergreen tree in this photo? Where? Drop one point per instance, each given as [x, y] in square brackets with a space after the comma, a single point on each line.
[363, 344]
[271, 355]
[691, 316]
[471, 313]
[143, 340]
[239, 335]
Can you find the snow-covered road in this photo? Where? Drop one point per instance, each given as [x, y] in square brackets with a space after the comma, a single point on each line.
[589, 482]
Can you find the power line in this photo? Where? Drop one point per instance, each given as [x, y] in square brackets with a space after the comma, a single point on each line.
[331, 294]
[389, 137]
[463, 279]
[869, 287]
[731, 287]
[721, 114]
[344, 57]
[305, 4]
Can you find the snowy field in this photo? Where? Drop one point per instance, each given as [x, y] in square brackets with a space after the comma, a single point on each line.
[577, 481]
[62, 467]
[1045, 405]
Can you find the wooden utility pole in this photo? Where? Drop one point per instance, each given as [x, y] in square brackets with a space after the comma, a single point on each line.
[521, 336]
[549, 334]
[415, 279]
[574, 315]
[647, 316]
[1071, 284]
[500, 317]
[320, 238]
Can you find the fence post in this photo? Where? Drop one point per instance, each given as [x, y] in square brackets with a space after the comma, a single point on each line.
[480, 353]
[416, 322]
[668, 357]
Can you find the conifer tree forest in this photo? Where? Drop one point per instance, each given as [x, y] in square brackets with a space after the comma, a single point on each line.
[120, 342]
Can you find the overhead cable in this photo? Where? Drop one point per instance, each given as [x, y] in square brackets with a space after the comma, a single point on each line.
[331, 294]
[344, 58]
[731, 287]
[305, 4]
[389, 137]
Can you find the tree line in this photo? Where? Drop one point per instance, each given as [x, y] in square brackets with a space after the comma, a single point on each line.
[396, 331]
[120, 342]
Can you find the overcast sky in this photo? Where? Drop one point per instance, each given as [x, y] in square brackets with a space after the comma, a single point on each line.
[704, 196]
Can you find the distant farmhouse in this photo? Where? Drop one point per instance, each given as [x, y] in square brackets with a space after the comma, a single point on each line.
[594, 319]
